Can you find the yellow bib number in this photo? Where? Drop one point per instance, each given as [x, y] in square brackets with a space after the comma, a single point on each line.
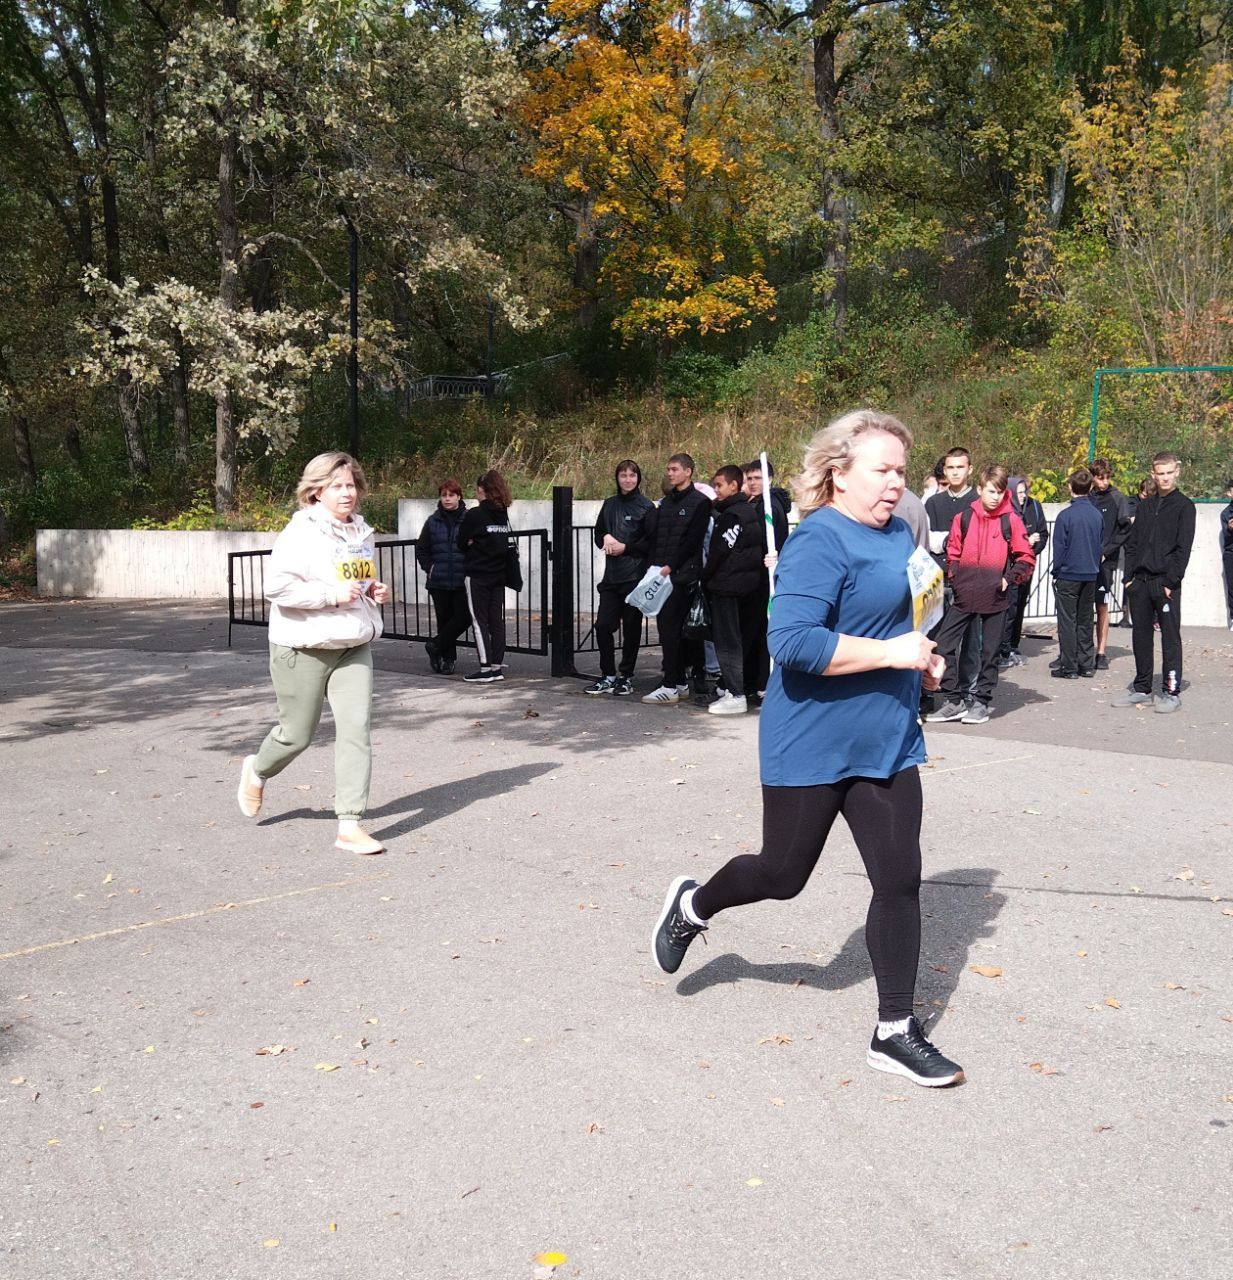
[355, 570]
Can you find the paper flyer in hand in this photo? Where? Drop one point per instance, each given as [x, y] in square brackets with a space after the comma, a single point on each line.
[925, 581]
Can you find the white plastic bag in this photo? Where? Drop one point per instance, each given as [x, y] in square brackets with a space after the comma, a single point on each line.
[649, 595]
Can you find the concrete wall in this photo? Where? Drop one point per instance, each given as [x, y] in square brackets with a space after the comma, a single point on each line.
[138, 564]
[131, 564]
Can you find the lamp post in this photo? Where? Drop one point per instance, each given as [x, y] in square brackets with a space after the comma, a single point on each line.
[353, 357]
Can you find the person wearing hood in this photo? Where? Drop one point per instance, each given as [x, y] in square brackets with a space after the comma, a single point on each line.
[619, 523]
[437, 552]
[484, 537]
[987, 553]
[325, 598]
[1037, 525]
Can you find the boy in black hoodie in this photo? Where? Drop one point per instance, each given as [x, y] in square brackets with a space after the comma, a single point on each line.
[732, 577]
[1157, 553]
[620, 522]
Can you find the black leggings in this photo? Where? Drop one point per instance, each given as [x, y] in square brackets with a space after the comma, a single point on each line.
[884, 816]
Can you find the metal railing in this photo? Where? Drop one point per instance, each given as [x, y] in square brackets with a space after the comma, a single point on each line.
[409, 616]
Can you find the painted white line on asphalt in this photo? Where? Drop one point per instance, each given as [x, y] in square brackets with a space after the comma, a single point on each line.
[959, 768]
[190, 915]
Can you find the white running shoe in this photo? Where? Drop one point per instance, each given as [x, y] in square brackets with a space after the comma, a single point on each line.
[663, 696]
[730, 704]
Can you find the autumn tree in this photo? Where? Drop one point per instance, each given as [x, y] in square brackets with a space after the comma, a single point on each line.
[634, 142]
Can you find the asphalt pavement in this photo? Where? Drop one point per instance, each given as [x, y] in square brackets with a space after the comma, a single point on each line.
[229, 1051]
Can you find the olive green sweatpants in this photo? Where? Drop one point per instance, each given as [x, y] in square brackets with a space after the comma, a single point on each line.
[303, 680]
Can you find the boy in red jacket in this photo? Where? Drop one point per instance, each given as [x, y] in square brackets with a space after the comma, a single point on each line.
[987, 552]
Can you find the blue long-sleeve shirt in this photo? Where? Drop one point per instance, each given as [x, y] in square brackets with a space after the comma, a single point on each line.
[838, 577]
[1078, 539]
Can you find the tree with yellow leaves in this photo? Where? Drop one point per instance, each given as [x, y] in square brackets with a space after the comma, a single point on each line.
[635, 139]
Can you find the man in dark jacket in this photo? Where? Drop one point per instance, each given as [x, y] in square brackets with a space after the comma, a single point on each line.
[437, 552]
[1078, 536]
[942, 507]
[1157, 553]
[672, 537]
[733, 577]
[1115, 510]
[758, 660]
[620, 522]
[1226, 547]
[1029, 510]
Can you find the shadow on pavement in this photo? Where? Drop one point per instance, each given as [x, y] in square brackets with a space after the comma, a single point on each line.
[425, 807]
[957, 911]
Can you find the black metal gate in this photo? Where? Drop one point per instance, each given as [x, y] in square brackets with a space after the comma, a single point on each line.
[408, 616]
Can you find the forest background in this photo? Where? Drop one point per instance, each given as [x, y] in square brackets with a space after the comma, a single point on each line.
[667, 224]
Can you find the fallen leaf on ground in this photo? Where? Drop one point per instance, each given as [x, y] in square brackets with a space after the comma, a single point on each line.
[18, 1080]
[776, 1039]
[530, 714]
[595, 1127]
[255, 1106]
[676, 782]
[271, 1050]
[1101, 1128]
[108, 878]
[1184, 874]
[1081, 954]
[1174, 986]
[1041, 1069]
[1227, 911]
[270, 1244]
[1113, 1002]
[753, 1182]
[301, 982]
[303, 786]
[940, 968]
[776, 1102]
[550, 1258]
[986, 970]
[326, 1066]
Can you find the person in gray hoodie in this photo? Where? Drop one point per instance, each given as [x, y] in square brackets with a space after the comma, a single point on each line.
[322, 584]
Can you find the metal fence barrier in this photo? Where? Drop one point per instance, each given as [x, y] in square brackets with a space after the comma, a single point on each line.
[408, 616]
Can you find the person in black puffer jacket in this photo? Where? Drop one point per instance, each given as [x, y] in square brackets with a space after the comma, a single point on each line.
[620, 522]
[437, 552]
[733, 576]
[672, 537]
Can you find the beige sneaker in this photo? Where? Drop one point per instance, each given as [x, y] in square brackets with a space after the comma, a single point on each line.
[358, 841]
[250, 790]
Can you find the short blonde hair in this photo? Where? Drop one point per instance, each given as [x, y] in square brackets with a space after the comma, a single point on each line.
[831, 450]
[320, 471]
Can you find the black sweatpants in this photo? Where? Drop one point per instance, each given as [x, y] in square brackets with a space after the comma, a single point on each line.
[486, 601]
[453, 618]
[757, 655]
[733, 622]
[958, 629]
[614, 613]
[1148, 605]
[679, 653]
[1076, 618]
[1228, 579]
[884, 817]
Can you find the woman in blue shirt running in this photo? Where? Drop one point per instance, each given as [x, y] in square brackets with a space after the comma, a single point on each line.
[839, 730]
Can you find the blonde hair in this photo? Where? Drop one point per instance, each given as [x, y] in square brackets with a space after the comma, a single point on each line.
[320, 471]
[831, 450]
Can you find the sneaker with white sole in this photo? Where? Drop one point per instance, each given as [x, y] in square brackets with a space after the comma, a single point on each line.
[977, 713]
[485, 675]
[1166, 703]
[357, 840]
[674, 930]
[665, 695]
[729, 704]
[251, 788]
[1132, 699]
[910, 1054]
[955, 710]
[623, 688]
[605, 684]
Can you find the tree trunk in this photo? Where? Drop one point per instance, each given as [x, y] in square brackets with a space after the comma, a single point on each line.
[226, 436]
[836, 205]
[586, 265]
[130, 424]
[24, 451]
[177, 389]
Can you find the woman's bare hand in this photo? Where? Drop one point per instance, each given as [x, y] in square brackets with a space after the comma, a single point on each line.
[382, 593]
[912, 652]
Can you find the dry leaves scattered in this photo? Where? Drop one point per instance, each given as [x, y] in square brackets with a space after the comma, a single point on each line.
[986, 970]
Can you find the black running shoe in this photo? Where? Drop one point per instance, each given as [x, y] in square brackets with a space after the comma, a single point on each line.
[910, 1054]
[434, 656]
[673, 930]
